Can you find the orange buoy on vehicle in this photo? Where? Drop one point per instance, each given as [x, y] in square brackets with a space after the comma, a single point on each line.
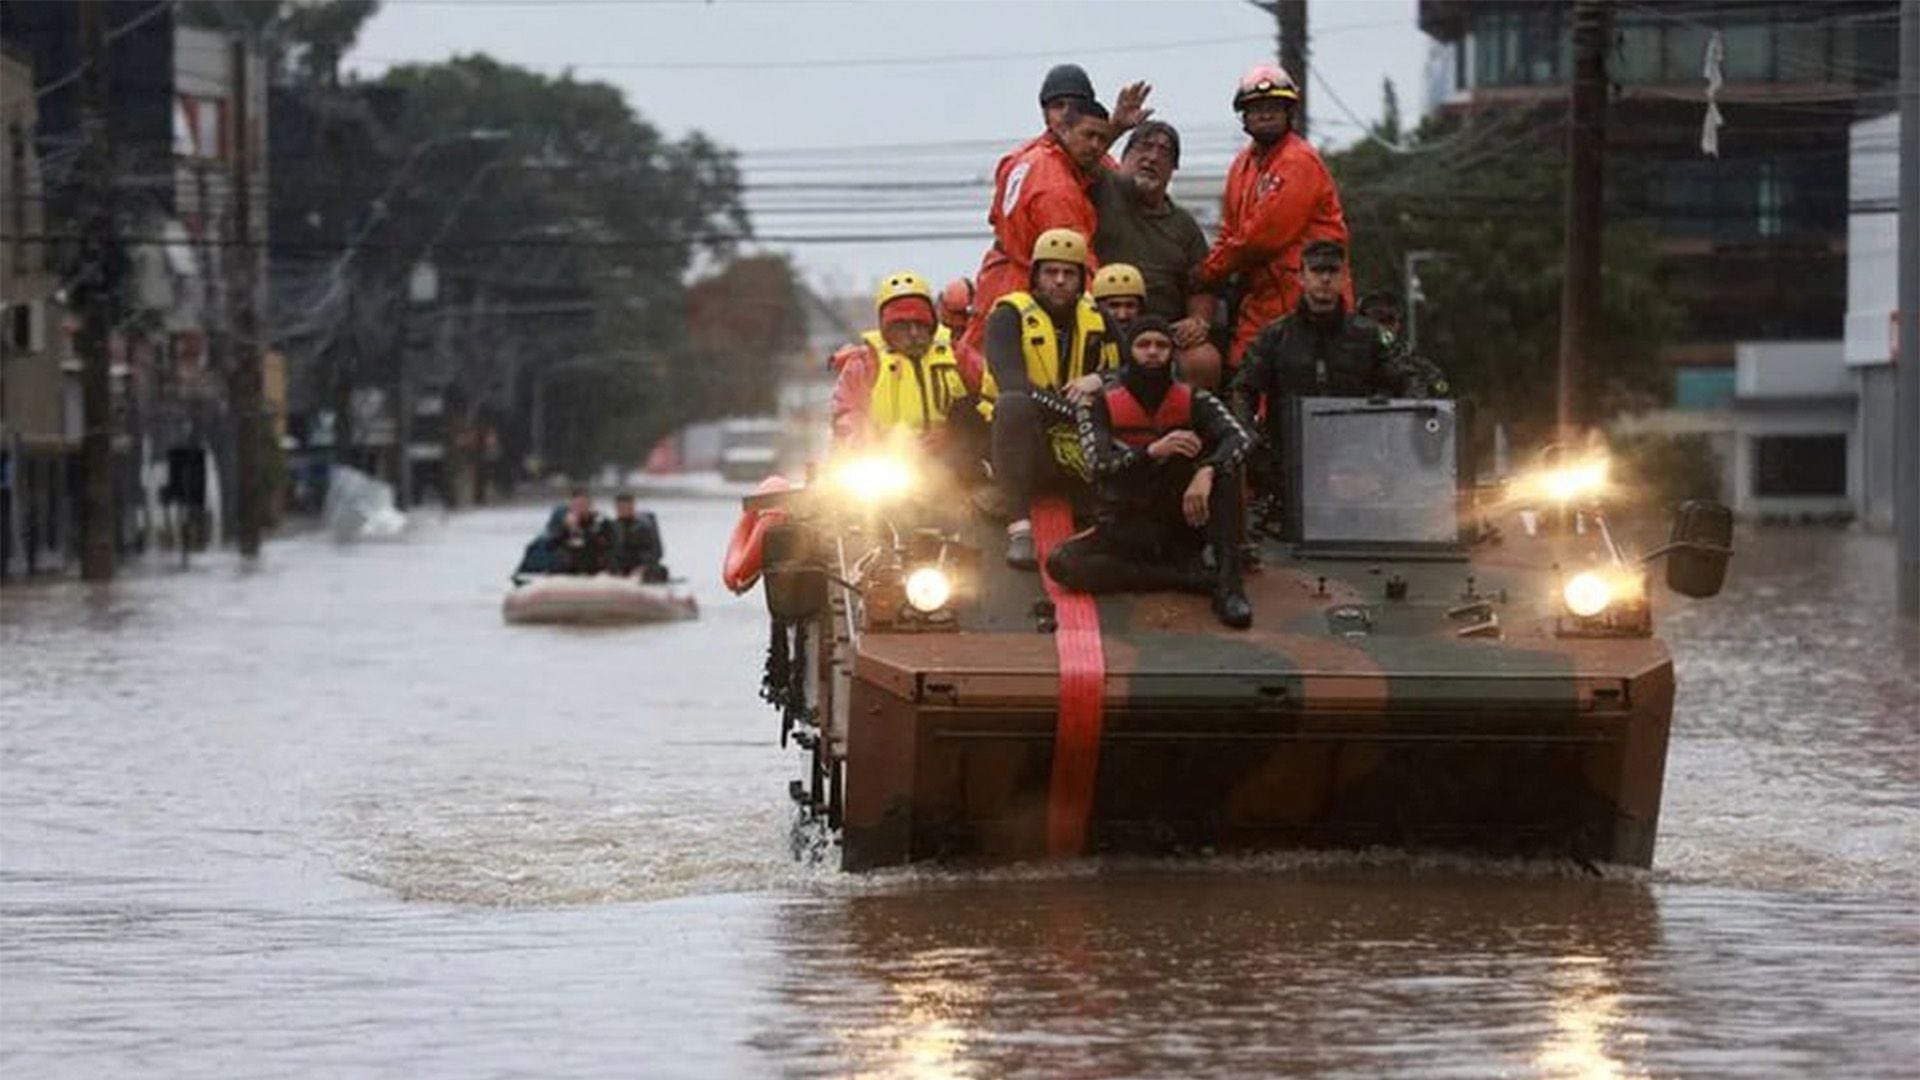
[747, 547]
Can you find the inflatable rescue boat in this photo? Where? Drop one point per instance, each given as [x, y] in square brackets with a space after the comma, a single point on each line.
[594, 600]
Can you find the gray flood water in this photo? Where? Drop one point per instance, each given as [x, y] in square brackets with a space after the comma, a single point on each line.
[331, 817]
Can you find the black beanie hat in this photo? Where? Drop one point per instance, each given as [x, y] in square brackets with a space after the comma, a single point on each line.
[1143, 324]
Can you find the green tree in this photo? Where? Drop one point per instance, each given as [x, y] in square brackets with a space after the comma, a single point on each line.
[1388, 126]
[303, 41]
[745, 328]
[1485, 198]
[555, 187]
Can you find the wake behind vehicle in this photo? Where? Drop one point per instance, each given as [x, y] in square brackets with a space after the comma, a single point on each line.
[1430, 666]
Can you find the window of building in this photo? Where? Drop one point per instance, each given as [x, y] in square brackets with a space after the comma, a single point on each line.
[1769, 200]
[1637, 59]
[1749, 51]
[1807, 465]
[1510, 48]
[1701, 388]
[20, 328]
[1685, 53]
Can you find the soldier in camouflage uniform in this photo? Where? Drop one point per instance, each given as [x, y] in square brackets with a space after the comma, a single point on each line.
[1383, 307]
[1321, 349]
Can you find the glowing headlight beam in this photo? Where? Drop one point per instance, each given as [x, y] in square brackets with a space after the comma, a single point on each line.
[875, 479]
[928, 589]
[1587, 594]
[1569, 483]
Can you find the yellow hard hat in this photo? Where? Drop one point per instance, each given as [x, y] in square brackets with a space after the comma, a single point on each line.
[902, 283]
[1061, 245]
[1119, 279]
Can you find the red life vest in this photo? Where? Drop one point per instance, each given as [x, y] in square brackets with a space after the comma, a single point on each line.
[1132, 425]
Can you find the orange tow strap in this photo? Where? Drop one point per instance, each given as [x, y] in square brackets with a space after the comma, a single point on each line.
[1083, 671]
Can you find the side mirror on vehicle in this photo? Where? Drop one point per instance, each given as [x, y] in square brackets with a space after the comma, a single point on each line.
[795, 574]
[1698, 548]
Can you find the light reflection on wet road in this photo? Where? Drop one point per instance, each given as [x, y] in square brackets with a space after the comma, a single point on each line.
[333, 817]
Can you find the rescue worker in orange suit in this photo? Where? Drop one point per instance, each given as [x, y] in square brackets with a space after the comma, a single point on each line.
[1046, 188]
[905, 378]
[1165, 460]
[1063, 83]
[1119, 291]
[1279, 197]
[956, 311]
[1047, 350]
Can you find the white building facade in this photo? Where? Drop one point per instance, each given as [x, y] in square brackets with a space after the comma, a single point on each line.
[1872, 317]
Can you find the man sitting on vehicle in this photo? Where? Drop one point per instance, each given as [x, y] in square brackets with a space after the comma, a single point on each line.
[1321, 349]
[1119, 292]
[1042, 183]
[1046, 349]
[956, 312]
[632, 542]
[1165, 459]
[904, 379]
[1142, 226]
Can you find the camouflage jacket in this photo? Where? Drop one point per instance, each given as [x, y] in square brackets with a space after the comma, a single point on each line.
[1298, 354]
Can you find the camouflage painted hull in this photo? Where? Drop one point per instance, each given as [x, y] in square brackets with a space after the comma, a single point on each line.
[1290, 735]
[1431, 665]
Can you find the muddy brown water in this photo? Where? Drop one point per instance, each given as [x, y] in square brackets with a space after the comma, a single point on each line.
[332, 817]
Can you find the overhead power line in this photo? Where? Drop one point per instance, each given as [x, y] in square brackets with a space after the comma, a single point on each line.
[112, 36]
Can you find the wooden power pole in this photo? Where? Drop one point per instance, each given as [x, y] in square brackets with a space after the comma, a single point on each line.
[100, 282]
[1586, 161]
[1290, 35]
[243, 387]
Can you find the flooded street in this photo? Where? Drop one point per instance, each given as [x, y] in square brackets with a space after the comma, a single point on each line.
[333, 817]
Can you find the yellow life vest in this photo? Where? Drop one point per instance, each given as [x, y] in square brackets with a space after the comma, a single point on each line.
[1046, 369]
[915, 394]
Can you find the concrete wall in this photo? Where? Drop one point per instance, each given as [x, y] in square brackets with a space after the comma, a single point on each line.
[1872, 282]
[1873, 426]
[1790, 369]
[1787, 388]
[1831, 419]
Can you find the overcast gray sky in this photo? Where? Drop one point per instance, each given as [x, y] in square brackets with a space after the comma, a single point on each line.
[914, 99]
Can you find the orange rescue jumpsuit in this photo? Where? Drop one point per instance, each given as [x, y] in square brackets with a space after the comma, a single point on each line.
[1036, 188]
[1277, 199]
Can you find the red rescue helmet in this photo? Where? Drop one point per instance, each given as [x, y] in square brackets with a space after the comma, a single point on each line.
[1265, 81]
[956, 300]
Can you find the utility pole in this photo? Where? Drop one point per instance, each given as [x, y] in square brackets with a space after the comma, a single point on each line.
[1586, 161]
[101, 284]
[243, 386]
[1290, 17]
[1906, 371]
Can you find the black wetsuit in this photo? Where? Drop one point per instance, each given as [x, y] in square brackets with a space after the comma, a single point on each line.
[1141, 540]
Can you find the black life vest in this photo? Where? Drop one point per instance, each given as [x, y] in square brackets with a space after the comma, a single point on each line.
[1132, 425]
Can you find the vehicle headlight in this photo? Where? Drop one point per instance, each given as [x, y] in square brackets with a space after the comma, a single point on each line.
[875, 479]
[1587, 594]
[928, 589]
[1576, 481]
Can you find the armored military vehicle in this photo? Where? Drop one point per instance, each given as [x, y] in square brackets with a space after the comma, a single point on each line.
[1433, 664]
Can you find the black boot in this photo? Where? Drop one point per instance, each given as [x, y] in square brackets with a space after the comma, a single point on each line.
[1231, 605]
[1229, 594]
